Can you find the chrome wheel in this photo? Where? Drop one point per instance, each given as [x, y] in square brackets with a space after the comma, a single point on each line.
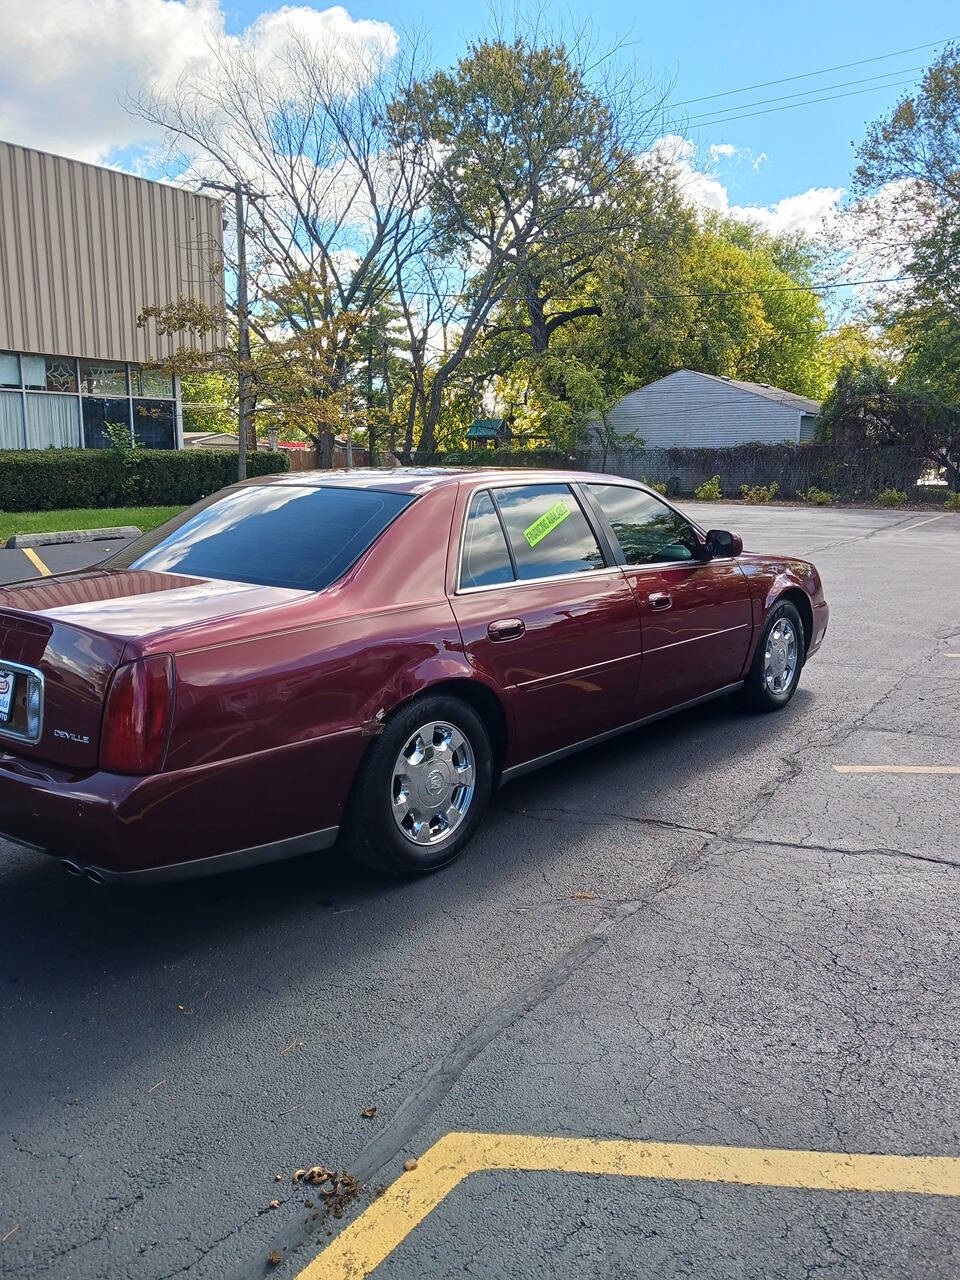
[433, 783]
[781, 656]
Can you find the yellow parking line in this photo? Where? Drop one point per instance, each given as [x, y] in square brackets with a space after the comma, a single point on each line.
[911, 527]
[35, 560]
[897, 768]
[366, 1242]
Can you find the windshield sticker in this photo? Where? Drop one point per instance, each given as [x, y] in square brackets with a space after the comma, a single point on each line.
[537, 531]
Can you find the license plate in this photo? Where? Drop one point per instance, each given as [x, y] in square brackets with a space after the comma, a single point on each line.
[6, 693]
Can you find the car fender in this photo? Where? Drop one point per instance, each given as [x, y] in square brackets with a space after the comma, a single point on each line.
[423, 676]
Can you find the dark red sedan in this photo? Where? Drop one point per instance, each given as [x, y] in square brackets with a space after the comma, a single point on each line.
[368, 655]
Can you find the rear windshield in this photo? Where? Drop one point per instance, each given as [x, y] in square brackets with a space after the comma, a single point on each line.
[277, 535]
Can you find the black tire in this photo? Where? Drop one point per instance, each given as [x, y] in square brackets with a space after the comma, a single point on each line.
[757, 693]
[371, 833]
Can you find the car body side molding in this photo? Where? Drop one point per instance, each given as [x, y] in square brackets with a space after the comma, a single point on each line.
[540, 762]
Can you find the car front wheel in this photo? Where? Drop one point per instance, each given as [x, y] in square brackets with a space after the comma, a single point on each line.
[423, 788]
[775, 671]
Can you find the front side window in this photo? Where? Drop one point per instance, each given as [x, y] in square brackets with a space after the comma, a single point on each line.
[649, 532]
[486, 560]
[303, 537]
[548, 533]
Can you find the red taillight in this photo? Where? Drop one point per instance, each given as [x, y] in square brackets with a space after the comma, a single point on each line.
[136, 718]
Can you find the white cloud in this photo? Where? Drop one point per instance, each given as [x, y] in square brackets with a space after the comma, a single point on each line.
[67, 68]
[762, 158]
[813, 212]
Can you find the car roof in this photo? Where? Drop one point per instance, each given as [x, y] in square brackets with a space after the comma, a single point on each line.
[422, 479]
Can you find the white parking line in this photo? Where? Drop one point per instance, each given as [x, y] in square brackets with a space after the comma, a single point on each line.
[897, 768]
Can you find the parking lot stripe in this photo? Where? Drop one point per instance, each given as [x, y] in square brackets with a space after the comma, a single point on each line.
[35, 560]
[911, 527]
[367, 1241]
[897, 768]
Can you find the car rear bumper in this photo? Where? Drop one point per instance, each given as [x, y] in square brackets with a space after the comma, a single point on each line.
[190, 822]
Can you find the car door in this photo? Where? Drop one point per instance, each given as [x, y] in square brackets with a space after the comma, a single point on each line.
[695, 614]
[545, 614]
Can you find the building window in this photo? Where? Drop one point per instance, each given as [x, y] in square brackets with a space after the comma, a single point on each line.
[11, 420]
[98, 414]
[9, 369]
[52, 420]
[152, 383]
[49, 373]
[154, 425]
[99, 379]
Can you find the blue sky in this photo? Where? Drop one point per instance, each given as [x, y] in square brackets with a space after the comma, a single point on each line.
[64, 76]
[707, 48]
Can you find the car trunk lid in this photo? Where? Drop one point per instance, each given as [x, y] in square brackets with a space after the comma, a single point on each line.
[74, 631]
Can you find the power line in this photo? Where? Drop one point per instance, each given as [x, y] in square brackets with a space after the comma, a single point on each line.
[803, 93]
[808, 102]
[804, 75]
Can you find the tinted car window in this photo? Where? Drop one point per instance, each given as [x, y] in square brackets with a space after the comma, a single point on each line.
[279, 535]
[548, 532]
[485, 557]
[647, 529]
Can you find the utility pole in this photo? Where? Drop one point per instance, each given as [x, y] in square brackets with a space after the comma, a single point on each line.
[243, 334]
[244, 399]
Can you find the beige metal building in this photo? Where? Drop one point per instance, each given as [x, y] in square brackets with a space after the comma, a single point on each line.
[83, 250]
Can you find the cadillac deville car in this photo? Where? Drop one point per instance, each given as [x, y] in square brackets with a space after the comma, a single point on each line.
[361, 658]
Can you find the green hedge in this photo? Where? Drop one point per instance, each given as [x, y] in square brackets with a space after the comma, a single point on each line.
[51, 479]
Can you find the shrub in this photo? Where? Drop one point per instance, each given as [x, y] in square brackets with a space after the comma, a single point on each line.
[50, 479]
[709, 491]
[818, 497]
[655, 485]
[759, 492]
[953, 502]
[891, 498]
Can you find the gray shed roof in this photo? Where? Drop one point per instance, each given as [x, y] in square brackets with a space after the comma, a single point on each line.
[801, 403]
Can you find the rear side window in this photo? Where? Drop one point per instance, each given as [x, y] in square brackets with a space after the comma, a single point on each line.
[486, 560]
[647, 529]
[548, 532]
[279, 535]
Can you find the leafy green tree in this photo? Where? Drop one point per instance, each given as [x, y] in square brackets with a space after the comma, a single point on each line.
[527, 150]
[867, 407]
[907, 184]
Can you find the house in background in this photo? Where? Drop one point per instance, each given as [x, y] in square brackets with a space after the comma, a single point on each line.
[83, 250]
[489, 431]
[689, 409]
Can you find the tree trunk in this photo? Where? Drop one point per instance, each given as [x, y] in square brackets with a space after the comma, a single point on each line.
[325, 450]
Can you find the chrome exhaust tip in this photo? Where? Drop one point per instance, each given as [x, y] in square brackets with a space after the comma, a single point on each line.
[72, 868]
[94, 876]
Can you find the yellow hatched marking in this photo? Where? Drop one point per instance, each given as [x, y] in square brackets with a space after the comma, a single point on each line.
[366, 1242]
[35, 560]
[897, 768]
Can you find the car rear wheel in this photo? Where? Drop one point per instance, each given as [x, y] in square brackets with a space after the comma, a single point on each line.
[775, 671]
[423, 788]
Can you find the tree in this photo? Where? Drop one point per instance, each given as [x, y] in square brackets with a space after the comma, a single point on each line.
[907, 184]
[525, 145]
[867, 408]
[317, 138]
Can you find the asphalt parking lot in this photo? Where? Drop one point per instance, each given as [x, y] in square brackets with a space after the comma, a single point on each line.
[689, 1006]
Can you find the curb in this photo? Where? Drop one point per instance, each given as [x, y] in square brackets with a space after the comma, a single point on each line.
[72, 535]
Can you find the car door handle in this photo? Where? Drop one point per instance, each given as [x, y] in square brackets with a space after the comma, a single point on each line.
[506, 629]
[660, 600]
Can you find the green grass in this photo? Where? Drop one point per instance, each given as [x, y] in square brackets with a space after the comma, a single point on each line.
[12, 522]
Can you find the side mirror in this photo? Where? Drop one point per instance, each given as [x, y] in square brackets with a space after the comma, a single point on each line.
[721, 543]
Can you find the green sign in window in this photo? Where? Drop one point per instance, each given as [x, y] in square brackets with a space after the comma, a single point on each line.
[537, 531]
